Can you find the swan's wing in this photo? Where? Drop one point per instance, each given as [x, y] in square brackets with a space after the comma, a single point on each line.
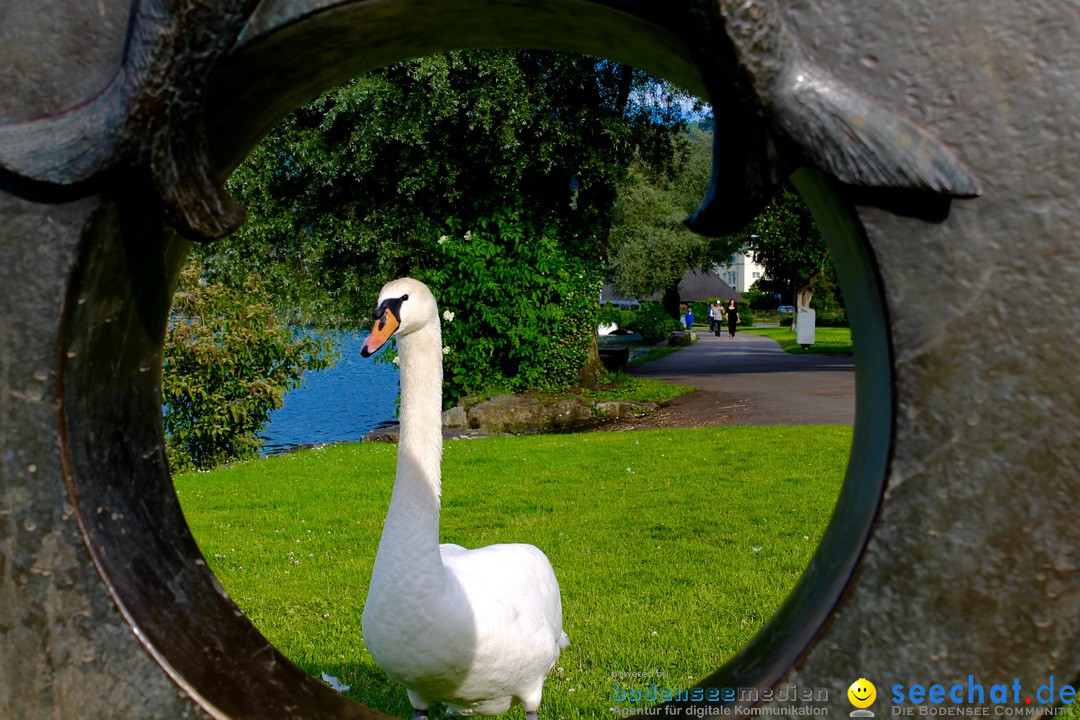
[505, 567]
[450, 549]
[513, 584]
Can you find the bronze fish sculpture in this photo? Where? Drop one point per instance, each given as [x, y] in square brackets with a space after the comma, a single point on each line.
[149, 117]
[775, 110]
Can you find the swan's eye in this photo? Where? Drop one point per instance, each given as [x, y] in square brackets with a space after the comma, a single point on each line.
[391, 305]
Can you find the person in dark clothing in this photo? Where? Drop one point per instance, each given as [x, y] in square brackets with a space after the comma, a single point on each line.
[732, 318]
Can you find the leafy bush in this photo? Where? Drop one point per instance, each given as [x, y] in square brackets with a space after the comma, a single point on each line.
[831, 319]
[609, 314]
[821, 319]
[652, 323]
[627, 318]
[519, 312]
[758, 299]
[746, 314]
[227, 365]
[701, 311]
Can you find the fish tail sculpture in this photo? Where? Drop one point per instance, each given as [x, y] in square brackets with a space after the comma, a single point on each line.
[148, 119]
[67, 148]
[781, 110]
[774, 110]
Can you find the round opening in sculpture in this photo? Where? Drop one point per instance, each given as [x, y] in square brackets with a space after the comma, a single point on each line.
[672, 549]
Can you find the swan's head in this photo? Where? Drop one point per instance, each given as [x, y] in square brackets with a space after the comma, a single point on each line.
[405, 305]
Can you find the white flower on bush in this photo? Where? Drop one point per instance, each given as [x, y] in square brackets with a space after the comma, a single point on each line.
[446, 350]
[448, 316]
[468, 234]
[443, 239]
[397, 360]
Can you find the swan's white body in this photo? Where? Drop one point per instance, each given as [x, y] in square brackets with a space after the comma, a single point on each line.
[475, 629]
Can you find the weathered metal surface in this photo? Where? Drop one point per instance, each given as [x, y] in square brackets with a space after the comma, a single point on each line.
[147, 120]
[972, 568]
[106, 609]
[783, 110]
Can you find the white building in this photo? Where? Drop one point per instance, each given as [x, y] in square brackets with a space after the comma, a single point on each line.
[740, 272]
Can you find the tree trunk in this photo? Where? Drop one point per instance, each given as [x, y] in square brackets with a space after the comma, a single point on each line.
[671, 301]
[592, 372]
[802, 299]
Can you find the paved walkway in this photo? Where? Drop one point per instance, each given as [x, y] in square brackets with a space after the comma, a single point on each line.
[749, 380]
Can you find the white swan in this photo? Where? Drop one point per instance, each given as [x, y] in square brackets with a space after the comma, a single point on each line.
[476, 629]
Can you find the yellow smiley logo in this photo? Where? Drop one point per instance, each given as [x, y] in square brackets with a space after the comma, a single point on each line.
[862, 693]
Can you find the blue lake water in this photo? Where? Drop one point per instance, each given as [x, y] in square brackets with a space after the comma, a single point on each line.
[339, 404]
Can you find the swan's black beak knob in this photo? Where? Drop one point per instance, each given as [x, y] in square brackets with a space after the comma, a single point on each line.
[387, 321]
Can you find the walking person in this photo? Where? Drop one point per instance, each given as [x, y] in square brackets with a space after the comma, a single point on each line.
[732, 318]
[714, 318]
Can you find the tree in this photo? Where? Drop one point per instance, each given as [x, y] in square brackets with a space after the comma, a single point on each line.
[358, 186]
[787, 243]
[537, 336]
[650, 249]
[227, 365]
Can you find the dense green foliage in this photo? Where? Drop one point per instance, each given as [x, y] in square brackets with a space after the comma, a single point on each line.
[610, 314]
[227, 364]
[758, 299]
[652, 322]
[650, 249]
[821, 319]
[787, 243]
[519, 312]
[672, 548]
[512, 147]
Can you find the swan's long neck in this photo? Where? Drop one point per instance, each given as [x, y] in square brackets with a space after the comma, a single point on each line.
[410, 536]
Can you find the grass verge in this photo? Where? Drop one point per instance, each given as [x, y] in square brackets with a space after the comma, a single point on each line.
[667, 562]
[827, 340]
[633, 389]
[654, 353]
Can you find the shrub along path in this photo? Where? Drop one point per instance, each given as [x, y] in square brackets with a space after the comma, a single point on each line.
[749, 380]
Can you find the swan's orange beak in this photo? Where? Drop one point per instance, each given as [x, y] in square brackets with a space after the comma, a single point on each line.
[385, 325]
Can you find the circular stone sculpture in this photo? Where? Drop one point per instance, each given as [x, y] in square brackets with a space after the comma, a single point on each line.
[938, 144]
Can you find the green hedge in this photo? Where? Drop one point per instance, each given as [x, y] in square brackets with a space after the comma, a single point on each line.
[518, 308]
[652, 323]
[822, 319]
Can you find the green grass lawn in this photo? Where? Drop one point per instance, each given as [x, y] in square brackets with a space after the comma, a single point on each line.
[827, 340]
[672, 547]
[622, 387]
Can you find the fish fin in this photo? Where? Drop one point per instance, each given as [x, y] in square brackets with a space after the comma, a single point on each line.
[68, 147]
[747, 167]
[77, 144]
[195, 199]
[861, 142]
